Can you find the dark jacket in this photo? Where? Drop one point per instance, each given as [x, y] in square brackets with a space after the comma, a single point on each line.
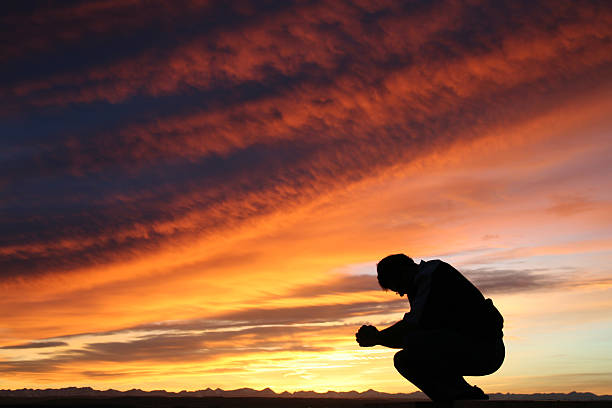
[442, 298]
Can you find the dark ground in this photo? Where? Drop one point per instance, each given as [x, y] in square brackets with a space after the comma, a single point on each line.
[257, 402]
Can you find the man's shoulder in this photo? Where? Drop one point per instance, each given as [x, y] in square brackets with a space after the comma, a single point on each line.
[435, 265]
[430, 265]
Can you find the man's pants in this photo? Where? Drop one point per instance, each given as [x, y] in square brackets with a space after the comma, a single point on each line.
[436, 361]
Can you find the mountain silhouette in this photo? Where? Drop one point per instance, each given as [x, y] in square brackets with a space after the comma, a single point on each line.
[267, 392]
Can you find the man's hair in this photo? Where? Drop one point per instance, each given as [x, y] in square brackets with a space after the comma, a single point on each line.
[389, 267]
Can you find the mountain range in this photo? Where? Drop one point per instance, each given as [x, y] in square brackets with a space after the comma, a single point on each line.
[267, 392]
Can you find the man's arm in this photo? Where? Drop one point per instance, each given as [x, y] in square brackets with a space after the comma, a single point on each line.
[392, 336]
[423, 283]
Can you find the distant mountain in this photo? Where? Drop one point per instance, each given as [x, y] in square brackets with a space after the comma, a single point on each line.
[555, 396]
[267, 392]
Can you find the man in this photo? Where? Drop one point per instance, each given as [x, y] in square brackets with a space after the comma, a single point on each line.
[450, 331]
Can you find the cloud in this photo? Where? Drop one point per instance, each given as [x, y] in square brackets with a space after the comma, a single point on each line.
[345, 284]
[295, 315]
[181, 348]
[34, 345]
[331, 95]
[488, 280]
[265, 330]
[510, 281]
[569, 205]
[62, 28]
[296, 40]
[156, 203]
[251, 333]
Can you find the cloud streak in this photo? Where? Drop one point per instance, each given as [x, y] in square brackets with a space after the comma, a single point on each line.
[42, 344]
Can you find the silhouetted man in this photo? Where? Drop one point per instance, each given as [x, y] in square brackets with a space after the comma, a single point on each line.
[450, 331]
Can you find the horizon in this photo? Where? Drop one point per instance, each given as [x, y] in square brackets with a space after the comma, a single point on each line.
[199, 191]
[266, 389]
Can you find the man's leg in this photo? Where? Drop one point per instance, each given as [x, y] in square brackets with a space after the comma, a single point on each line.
[434, 361]
[415, 373]
[435, 380]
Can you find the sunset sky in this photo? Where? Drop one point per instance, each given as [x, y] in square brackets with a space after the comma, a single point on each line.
[195, 193]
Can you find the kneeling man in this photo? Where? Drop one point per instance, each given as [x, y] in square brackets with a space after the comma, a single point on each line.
[450, 331]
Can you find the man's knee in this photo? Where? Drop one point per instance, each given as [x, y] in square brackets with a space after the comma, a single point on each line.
[399, 360]
[408, 362]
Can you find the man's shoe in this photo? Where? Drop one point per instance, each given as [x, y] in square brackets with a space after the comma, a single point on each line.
[473, 393]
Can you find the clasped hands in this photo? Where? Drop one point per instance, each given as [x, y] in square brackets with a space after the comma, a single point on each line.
[367, 336]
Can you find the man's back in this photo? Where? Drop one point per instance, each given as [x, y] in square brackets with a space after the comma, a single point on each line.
[454, 302]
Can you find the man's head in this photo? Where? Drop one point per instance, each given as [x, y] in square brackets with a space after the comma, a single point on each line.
[396, 273]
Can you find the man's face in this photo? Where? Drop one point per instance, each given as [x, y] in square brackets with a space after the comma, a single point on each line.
[402, 283]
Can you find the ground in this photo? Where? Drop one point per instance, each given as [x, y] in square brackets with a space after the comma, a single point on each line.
[256, 402]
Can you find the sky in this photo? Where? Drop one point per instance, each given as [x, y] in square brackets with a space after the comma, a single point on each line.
[195, 193]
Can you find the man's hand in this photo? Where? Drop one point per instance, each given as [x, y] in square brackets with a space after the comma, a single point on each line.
[367, 336]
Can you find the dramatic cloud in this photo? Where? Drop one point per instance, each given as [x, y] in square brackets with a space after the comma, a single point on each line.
[352, 79]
